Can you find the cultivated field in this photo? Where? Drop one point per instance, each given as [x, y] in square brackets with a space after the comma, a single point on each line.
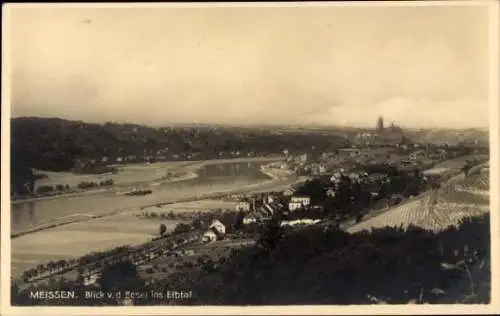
[75, 240]
[479, 182]
[435, 211]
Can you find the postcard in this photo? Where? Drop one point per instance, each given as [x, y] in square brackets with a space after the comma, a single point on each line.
[250, 158]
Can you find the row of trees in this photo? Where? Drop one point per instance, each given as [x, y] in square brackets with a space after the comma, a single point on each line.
[59, 188]
[44, 189]
[92, 184]
[48, 268]
[98, 260]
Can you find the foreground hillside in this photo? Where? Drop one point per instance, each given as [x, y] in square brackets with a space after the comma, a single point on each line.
[319, 265]
[437, 210]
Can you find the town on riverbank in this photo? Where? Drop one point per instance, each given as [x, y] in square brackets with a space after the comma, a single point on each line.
[406, 188]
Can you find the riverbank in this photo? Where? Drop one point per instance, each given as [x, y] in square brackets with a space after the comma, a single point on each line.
[276, 173]
[224, 191]
[187, 170]
[268, 185]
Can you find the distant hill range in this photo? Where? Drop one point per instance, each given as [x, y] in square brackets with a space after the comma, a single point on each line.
[450, 136]
[61, 145]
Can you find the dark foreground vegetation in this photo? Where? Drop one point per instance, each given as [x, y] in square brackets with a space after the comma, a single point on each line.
[320, 265]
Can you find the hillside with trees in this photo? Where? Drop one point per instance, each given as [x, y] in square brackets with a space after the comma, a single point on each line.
[57, 145]
[53, 144]
[327, 266]
[320, 265]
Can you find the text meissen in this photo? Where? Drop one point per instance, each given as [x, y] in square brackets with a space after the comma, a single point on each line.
[52, 295]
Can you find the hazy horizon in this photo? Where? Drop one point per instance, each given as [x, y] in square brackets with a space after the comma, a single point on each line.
[421, 67]
[250, 124]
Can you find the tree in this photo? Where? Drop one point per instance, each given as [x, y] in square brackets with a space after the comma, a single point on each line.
[51, 266]
[80, 271]
[466, 168]
[315, 189]
[271, 236]
[181, 228]
[239, 220]
[197, 224]
[45, 189]
[163, 229]
[60, 264]
[121, 275]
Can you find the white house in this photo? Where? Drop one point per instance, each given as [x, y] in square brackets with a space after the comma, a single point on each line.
[252, 218]
[218, 226]
[243, 206]
[305, 200]
[91, 279]
[292, 206]
[209, 236]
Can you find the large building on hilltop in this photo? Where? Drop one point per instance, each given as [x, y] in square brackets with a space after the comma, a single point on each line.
[382, 136]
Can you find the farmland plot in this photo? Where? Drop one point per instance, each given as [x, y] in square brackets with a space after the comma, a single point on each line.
[455, 195]
[479, 182]
[437, 211]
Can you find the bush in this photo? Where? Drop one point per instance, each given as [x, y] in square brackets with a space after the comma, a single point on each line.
[45, 189]
[107, 182]
[182, 228]
[87, 185]
[163, 229]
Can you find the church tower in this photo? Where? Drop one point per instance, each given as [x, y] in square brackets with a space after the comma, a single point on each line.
[380, 124]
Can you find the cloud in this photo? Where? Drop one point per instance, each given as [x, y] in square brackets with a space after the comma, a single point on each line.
[420, 112]
[252, 65]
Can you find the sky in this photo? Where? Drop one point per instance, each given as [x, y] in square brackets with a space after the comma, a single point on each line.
[423, 66]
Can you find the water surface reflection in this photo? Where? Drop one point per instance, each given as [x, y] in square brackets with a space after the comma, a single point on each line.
[212, 178]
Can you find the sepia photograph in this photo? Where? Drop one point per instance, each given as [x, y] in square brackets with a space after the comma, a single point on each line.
[250, 154]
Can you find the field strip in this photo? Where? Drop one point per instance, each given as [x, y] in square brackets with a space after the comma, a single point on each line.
[425, 211]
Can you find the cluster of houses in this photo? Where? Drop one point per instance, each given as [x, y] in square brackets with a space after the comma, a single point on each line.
[150, 156]
[398, 155]
[258, 209]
